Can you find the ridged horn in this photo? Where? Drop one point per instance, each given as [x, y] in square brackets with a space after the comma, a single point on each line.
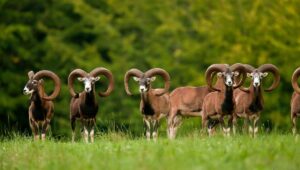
[132, 72]
[210, 73]
[54, 77]
[242, 72]
[164, 74]
[103, 71]
[274, 70]
[74, 74]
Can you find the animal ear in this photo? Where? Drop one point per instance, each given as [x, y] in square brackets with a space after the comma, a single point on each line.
[97, 78]
[153, 78]
[136, 79]
[30, 75]
[219, 74]
[249, 74]
[80, 78]
[236, 73]
[41, 82]
[265, 74]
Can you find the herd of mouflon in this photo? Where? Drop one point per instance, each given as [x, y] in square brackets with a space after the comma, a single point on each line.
[224, 96]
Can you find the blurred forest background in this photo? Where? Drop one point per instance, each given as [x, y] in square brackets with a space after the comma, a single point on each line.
[182, 36]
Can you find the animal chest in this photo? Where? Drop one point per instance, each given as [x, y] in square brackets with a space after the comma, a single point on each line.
[148, 110]
[88, 111]
[39, 113]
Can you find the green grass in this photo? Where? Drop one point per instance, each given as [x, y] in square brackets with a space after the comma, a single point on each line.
[119, 151]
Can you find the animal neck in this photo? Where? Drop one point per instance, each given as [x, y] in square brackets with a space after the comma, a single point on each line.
[256, 92]
[257, 99]
[228, 104]
[90, 97]
[36, 97]
[145, 96]
[228, 94]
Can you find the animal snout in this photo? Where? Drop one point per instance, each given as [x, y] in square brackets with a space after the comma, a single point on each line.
[142, 89]
[27, 91]
[229, 83]
[256, 84]
[87, 89]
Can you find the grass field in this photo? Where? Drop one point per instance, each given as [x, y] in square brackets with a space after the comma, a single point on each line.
[117, 151]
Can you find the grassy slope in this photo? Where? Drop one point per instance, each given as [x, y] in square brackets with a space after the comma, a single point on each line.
[115, 151]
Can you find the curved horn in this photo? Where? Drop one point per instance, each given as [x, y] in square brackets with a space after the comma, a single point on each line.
[103, 71]
[54, 77]
[132, 72]
[274, 70]
[295, 77]
[242, 72]
[164, 74]
[75, 73]
[209, 74]
[248, 69]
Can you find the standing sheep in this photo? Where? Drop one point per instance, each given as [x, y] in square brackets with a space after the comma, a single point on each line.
[154, 102]
[41, 107]
[250, 101]
[84, 106]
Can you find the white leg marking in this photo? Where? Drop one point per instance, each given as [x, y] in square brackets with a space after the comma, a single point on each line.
[86, 135]
[92, 135]
[43, 136]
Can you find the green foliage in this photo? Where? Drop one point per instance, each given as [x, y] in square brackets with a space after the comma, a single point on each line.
[183, 37]
[116, 151]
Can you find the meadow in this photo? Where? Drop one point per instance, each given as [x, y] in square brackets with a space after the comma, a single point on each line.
[122, 151]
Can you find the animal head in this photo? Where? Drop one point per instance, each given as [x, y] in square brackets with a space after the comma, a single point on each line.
[35, 82]
[258, 74]
[228, 76]
[89, 80]
[31, 85]
[256, 77]
[226, 73]
[144, 79]
[144, 83]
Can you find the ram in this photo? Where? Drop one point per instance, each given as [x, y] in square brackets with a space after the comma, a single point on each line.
[295, 101]
[249, 101]
[154, 103]
[41, 107]
[220, 103]
[84, 106]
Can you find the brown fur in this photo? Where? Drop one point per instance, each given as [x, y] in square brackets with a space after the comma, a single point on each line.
[40, 112]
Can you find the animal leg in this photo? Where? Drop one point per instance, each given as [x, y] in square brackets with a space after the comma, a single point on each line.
[147, 127]
[170, 122]
[234, 124]
[155, 129]
[294, 124]
[177, 124]
[222, 123]
[35, 128]
[45, 128]
[204, 124]
[85, 131]
[73, 126]
[93, 124]
[246, 125]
